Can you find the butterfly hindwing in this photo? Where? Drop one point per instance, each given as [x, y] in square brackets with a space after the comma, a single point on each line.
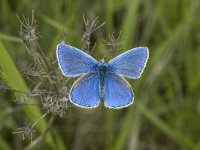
[85, 91]
[131, 63]
[118, 93]
[74, 62]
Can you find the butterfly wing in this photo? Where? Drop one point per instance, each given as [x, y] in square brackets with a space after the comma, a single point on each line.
[131, 63]
[85, 91]
[74, 62]
[118, 93]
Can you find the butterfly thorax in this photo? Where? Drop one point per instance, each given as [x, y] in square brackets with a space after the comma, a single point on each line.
[102, 71]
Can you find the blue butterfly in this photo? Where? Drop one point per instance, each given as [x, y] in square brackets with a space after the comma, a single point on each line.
[101, 80]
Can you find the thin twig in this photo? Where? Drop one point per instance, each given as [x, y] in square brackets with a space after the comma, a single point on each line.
[90, 27]
[41, 137]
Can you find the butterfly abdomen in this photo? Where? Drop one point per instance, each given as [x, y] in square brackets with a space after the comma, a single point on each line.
[102, 71]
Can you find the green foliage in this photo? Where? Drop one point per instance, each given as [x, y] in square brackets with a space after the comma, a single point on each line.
[166, 111]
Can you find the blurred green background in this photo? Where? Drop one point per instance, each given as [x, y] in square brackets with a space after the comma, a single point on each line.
[166, 111]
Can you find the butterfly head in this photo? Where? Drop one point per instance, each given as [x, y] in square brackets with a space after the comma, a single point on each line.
[102, 61]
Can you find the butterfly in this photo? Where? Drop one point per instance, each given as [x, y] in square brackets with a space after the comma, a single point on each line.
[101, 81]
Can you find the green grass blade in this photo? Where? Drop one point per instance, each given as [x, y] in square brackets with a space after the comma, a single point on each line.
[15, 81]
[10, 38]
[109, 135]
[122, 138]
[55, 24]
[109, 15]
[129, 22]
[175, 135]
[4, 145]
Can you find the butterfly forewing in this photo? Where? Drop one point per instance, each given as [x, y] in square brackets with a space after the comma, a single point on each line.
[131, 63]
[74, 62]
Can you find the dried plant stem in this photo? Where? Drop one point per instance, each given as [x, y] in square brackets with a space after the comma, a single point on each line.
[41, 137]
[43, 116]
[28, 28]
[90, 27]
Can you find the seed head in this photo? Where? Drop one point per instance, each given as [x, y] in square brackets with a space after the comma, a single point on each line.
[28, 28]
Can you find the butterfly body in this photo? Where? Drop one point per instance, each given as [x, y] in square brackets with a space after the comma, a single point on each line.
[102, 72]
[101, 81]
